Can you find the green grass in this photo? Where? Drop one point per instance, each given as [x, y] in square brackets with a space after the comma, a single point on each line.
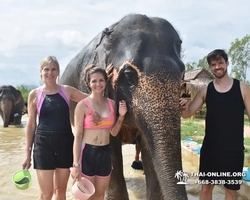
[246, 120]
[191, 129]
[24, 91]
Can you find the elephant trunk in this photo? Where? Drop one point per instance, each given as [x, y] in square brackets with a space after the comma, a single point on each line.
[158, 118]
[6, 108]
[162, 144]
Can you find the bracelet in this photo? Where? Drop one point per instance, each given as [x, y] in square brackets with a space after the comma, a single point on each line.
[76, 165]
[28, 148]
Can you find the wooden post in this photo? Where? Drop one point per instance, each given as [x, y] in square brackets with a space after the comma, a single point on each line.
[192, 97]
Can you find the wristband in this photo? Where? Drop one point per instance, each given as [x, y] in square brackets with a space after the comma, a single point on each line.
[28, 148]
[76, 165]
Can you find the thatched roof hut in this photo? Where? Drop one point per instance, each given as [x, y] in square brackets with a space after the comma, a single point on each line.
[196, 79]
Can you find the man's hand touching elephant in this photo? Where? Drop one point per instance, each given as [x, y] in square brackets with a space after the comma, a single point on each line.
[183, 103]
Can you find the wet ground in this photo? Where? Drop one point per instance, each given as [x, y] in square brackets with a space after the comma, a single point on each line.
[12, 155]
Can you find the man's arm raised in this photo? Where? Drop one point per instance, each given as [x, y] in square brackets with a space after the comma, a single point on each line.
[188, 109]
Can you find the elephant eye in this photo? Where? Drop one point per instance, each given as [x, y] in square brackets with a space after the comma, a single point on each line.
[130, 75]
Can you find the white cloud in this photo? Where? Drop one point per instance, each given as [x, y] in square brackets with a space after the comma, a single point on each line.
[32, 29]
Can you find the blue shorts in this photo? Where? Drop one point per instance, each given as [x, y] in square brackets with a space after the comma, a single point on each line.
[96, 161]
[53, 149]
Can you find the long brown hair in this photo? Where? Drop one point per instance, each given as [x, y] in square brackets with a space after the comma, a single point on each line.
[92, 69]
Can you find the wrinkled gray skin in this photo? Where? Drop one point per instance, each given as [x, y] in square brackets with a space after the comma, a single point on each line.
[11, 103]
[147, 74]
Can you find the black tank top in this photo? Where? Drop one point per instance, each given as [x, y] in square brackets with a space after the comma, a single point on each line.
[54, 114]
[224, 119]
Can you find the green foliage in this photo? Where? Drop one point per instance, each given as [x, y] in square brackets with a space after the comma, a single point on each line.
[247, 142]
[239, 53]
[190, 128]
[247, 153]
[190, 66]
[202, 63]
[246, 120]
[24, 91]
[248, 82]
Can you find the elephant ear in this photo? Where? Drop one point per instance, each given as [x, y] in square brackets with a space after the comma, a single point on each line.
[18, 96]
[105, 32]
[104, 51]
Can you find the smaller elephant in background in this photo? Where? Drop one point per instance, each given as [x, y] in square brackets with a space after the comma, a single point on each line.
[11, 105]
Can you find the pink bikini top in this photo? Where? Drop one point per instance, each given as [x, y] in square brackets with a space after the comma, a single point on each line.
[41, 97]
[102, 123]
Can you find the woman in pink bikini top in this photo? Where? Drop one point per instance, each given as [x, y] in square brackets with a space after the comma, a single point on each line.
[94, 122]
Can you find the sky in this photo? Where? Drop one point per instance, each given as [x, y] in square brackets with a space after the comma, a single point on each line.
[32, 29]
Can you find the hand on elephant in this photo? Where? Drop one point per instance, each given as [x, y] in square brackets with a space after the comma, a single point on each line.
[109, 71]
[26, 165]
[122, 108]
[75, 174]
[183, 103]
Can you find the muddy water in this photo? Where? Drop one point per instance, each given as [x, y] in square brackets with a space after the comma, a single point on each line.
[12, 154]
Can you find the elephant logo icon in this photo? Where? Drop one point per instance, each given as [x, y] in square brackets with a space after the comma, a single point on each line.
[182, 177]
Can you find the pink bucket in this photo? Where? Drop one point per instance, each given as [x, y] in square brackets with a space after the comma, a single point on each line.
[83, 189]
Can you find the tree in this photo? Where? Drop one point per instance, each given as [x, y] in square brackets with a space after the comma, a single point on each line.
[190, 66]
[203, 63]
[239, 53]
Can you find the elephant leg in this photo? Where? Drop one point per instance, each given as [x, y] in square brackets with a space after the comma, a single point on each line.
[17, 120]
[117, 187]
[152, 183]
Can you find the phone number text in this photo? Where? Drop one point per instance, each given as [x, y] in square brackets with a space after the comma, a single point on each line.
[222, 182]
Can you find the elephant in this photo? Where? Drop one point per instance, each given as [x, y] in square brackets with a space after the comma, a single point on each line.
[146, 55]
[11, 105]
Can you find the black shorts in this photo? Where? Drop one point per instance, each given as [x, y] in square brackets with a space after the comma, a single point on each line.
[96, 160]
[222, 168]
[53, 149]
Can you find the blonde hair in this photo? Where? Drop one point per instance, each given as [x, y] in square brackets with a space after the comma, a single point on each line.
[48, 59]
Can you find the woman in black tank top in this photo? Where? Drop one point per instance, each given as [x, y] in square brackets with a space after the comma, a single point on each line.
[53, 141]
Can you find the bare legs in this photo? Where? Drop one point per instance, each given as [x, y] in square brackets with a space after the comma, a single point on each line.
[137, 151]
[48, 186]
[230, 194]
[45, 180]
[207, 190]
[60, 185]
[101, 185]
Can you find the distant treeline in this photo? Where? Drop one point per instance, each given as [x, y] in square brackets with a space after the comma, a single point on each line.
[25, 90]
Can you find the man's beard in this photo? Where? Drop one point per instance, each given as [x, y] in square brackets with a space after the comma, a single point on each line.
[222, 75]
